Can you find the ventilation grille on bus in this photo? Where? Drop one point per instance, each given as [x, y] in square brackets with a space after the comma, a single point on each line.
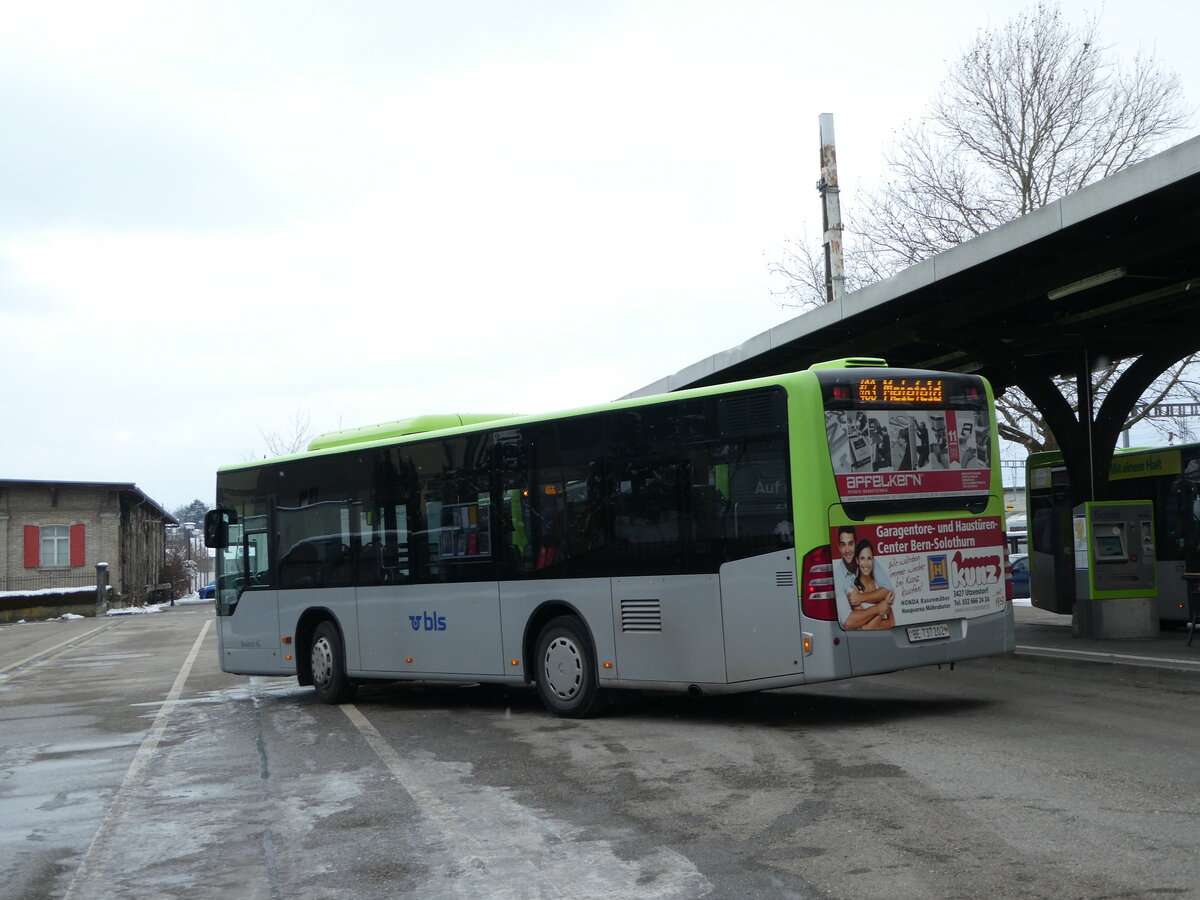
[785, 579]
[641, 615]
[751, 414]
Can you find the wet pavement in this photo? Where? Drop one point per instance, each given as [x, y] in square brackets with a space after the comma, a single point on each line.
[129, 763]
[1041, 637]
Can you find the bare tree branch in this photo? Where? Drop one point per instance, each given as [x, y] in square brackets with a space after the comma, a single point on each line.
[1033, 110]
[284, 443]
[292, 441]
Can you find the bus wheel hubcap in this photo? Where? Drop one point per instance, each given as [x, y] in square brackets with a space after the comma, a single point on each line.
[322, 662]
[564, 670]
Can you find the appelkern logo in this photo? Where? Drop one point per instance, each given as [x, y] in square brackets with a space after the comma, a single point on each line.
[885, 481]
[428, 622]
[939, 572]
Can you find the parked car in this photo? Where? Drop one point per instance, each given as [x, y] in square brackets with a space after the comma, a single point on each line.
[1019, 562]
[209, 591]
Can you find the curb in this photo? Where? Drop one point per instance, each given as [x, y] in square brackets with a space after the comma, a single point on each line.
[1183, 677]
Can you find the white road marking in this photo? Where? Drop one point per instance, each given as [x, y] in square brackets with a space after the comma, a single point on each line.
[78, 639]
[137, 768]
[1101, 654]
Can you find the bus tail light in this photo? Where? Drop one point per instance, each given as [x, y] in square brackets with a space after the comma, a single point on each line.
[817, 597]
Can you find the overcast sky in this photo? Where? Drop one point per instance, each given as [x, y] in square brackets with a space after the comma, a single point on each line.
[216, 216]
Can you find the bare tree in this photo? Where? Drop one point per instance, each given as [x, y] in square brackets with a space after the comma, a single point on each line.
[294, 440]
[801, 272]
[1019, 421]
[291, 441]
[1031, 111]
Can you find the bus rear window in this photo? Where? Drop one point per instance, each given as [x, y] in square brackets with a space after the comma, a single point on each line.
[904, 441]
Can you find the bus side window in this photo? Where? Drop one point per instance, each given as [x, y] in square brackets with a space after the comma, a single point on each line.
[509, 540]
[245, 562]
[391, 539]
[547, 502]
[230, 561]
[1189, 509]
[383, 481]
[255, 545]
[451, 535]
[316, 522]
[465, 539]
[532, 537]
[428, 462]
[586, 507]
[647, 485]
[315, 544]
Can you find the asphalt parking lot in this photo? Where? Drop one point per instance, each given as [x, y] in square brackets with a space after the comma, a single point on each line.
[133, 767]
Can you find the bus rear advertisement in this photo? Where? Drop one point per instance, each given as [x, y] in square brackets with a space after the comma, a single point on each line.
[819, 525]
[941, 567]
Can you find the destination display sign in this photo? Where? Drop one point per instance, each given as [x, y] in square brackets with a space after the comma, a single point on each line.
[901, 391]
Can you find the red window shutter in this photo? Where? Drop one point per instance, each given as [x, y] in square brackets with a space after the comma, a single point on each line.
[33, 546]
[77, 545]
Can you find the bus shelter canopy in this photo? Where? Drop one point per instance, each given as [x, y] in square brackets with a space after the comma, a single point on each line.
[1110, 272]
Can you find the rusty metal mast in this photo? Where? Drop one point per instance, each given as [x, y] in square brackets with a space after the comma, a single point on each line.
[831, 213]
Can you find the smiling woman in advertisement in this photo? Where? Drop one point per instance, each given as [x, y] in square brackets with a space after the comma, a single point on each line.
[870, 601]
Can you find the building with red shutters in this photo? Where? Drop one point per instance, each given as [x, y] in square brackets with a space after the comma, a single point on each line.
[53, 534]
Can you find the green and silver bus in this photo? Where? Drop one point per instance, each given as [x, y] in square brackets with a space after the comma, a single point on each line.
[841, 521]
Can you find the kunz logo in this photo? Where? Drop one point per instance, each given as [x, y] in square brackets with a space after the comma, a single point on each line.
[431, 623]
[974, 571]
[939, 572]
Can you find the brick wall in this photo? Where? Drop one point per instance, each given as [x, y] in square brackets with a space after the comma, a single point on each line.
[116, 524]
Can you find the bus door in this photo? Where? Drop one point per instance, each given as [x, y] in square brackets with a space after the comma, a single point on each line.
[1179, 519]
[248, 605]
[1051, 541]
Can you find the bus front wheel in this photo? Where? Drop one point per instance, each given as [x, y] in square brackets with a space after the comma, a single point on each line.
[566, 670]
[329, 666]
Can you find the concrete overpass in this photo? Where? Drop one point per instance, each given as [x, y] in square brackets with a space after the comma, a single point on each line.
[1110, 272]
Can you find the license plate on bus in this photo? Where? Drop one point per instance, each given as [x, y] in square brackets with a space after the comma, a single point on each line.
[928, 632]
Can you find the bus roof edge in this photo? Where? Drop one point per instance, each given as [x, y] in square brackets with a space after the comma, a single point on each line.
[852, 362]
[399, 428]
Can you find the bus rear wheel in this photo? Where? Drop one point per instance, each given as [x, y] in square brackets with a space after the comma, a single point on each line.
[566, 670]
[328, 660]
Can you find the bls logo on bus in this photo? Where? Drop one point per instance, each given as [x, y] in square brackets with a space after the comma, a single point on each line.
[430, 623]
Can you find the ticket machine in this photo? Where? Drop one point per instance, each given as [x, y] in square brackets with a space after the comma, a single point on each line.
[1116, 582]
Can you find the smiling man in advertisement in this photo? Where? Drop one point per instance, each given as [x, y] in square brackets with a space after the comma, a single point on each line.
[864, 597]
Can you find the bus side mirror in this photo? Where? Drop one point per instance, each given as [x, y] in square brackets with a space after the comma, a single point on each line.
[216, 528]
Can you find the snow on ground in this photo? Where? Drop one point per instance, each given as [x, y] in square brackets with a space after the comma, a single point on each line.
[192, 600]
[186, 600]
[135, 610]
[44, 592]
